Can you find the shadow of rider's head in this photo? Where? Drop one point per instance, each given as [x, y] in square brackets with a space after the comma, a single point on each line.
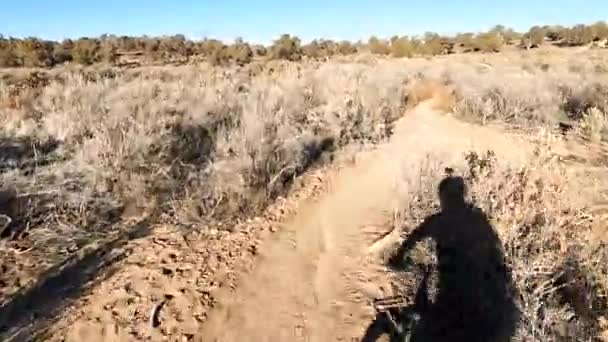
[452, 191]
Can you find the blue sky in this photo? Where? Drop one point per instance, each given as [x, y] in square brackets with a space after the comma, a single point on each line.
[263, 20]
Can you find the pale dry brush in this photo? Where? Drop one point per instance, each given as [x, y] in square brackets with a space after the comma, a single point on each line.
[193, 144]
[510, 90]
[542, 216]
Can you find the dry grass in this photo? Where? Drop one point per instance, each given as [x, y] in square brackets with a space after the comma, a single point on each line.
[546, 228]
[92, 150]
[593, 124]
[544, 220]
[539, 88]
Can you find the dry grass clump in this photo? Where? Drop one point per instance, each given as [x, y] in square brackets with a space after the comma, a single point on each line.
[511, 91]
[192, 144]
[559, 268]
[594, 124]
[577, 102]
[505, 94]
[546, 229]
[420, 90]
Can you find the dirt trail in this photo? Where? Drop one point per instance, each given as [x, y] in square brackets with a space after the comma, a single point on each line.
[313, 280]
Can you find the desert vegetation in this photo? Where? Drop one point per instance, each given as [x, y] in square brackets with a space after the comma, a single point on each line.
[87, 148]
[124, 50]
[83, 154]
[550, 234]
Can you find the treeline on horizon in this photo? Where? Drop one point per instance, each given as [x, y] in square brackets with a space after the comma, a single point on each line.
[34, 52]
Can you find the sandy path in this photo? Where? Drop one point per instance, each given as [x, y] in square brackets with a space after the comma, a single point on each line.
[313, 280]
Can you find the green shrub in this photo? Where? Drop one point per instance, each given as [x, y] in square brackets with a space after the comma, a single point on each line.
[7, 53]
[508, 34]
[107, 53]
[208, 47]
[345, 48]
[466, 41]
[434, 44]
[402, 47]
[600, 30]
[63, 52]
[219, 56]
[378, 47]
[579, 35]
[489, 42]
[534, 37]
[85, 51]
[239, 52]
[316, 49]
[33, 52]
[286, 47]
[259, 50]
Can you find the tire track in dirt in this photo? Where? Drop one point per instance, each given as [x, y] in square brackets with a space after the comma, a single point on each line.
[313, 280]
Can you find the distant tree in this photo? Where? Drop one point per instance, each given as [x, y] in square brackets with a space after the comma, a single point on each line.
[466, 41]
[286, 47]
[174, 46]
[219, 56]
[555, 33]
[600, 30]
[8, 57]
[360, 45]
[512, 36]
[63, 52]
[534, 37]
[345, 48]
[86, 51]
[209, 47]
[498, 29]
[321, 49]
[259, 50]
[60, 55]
[240, 52]
[128, 44]
[489, 42]
[508, 34]
[108, 52]
[435, 44]
[33, 52]
[402, 47]
[314, 50]
[579, 35]
[431, 44]
[378, 47]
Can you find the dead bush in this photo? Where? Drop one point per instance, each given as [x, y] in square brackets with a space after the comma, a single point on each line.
[578, 102]
[542, 240]
[559, 286]
[498, 105]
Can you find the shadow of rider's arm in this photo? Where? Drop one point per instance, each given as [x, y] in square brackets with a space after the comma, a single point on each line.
[423, 231]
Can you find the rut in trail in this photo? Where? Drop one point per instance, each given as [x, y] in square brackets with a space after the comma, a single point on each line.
[313, 281]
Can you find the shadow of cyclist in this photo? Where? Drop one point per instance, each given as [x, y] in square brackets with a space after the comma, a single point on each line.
[473, 301]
